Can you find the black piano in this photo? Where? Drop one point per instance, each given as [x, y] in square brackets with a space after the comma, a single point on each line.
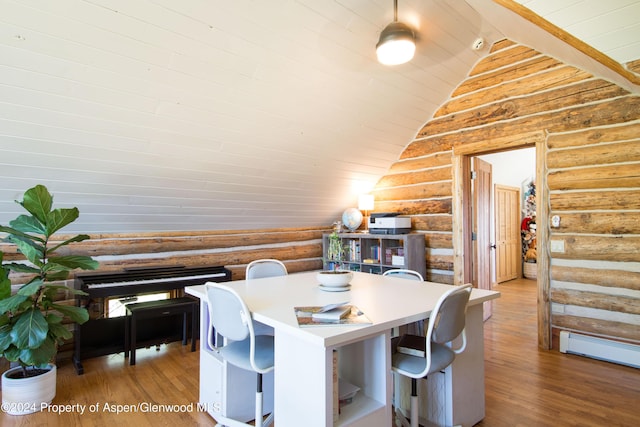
[104, 332]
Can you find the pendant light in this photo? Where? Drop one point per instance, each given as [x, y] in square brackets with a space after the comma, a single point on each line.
[397, 42]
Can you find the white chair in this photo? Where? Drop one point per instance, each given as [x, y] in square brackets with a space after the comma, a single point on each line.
[265, 268]
[404, 273]
[415, 327]
[446, 323]
[231, 319]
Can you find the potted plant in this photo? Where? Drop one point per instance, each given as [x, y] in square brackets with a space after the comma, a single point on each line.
[31, 320]
[335, 252]
[334, 276]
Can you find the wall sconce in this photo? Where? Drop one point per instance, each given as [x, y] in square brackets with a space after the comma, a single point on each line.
[365, 203]
[397, 43]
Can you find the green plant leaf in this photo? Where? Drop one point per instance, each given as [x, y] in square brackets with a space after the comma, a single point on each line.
[41, 355]
[78, 238]
[5, 287]
[53, 318]
[12, 303]
[30, 288]
[28, 224]
[12, 353]
[38, 201]
[18, 233]
[5, 337]
[31, 251]
[59, 218]
[5, 282]
[21, 268]
[59, 332]
[77, 314]
[53, 289]
[57, 275]
[30, 330]
[75, 261]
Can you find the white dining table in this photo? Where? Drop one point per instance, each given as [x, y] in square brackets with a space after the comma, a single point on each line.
[308, 358]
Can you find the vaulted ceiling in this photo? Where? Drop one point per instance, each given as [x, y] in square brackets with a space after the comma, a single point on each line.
[612, 27]
[154, 115]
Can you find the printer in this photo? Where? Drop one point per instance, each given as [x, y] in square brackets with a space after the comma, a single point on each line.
[389, 223]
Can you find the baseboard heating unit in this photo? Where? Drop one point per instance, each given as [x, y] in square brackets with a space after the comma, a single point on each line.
[600, 348]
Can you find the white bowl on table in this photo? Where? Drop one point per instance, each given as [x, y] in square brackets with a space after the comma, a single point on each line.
[335, 278]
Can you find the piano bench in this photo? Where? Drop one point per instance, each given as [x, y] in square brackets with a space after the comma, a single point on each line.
[155, 309]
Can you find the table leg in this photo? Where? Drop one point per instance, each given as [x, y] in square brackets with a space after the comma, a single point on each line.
[194, 326]
[133, 344]
[127, 325]
[184, 327]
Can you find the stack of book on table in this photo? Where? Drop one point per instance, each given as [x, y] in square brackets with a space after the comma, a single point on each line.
[330, 315]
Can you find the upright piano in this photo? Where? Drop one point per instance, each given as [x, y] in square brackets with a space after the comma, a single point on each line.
[104, 332]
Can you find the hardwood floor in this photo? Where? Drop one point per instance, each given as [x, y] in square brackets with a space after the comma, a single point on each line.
[524, 385]
[165, 377]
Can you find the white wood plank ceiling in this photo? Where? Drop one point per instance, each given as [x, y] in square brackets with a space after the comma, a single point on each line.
[152, 115]
[611, 26]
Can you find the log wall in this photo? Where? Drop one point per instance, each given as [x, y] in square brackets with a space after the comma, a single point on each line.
[590, 129]
[299, 248]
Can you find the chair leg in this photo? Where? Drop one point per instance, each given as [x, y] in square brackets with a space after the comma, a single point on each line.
[413, 420]
[258, 420]
[414, 402]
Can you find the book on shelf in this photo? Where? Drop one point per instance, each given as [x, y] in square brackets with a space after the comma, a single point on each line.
[347, 392]
[413, 345]
[312, 316]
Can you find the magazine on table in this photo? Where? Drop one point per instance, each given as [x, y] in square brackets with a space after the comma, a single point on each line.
[330, 315]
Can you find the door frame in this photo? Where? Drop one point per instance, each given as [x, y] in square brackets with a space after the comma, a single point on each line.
[461, 206]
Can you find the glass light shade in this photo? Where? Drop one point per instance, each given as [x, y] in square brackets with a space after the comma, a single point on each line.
[396, 45]
[365, 202]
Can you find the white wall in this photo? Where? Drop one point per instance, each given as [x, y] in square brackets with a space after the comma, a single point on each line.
[512, 167]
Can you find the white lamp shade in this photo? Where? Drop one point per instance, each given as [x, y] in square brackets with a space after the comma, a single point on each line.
[365, 202]
[396, 45]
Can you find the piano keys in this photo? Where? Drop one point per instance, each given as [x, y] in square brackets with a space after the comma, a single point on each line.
[104, 334]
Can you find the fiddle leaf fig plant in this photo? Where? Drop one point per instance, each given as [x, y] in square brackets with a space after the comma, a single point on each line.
[31, 320]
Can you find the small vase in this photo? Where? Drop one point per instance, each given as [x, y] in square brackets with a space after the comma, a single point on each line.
[21, 396]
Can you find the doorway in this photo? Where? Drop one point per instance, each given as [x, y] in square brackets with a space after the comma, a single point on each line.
[510, 171]
[462, 218]
[483, 270]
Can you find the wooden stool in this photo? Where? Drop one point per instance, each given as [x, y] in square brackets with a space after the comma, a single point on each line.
[155, 309]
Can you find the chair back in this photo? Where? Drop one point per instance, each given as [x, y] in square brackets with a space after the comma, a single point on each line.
[404, 273]
[228, 314]
[265, 268]
[447, 320]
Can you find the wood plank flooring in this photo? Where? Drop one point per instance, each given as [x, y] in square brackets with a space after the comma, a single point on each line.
[524, 385]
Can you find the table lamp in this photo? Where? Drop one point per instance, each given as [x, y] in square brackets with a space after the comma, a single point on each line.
[365, 203]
